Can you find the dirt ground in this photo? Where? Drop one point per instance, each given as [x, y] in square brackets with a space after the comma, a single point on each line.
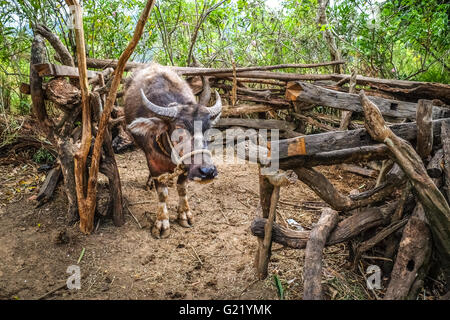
[212, 260]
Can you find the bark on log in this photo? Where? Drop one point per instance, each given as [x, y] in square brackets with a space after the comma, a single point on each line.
[62, 93]
[109, 168]
[338, 201]
[359, 170]
[436, 207]
[412, 257]
[312, 270]
[446, 148]
[348, 228]
[55, 70]
[66, 151]
[337, 140]
[61, 50]
[424, 128]
[351, 155]
[48, 187]
[309, 93]
[256, 123]
[313, 122]
[244, 109]
[103, 63]
[436, 164]
[379, 236]
[38, 55]
[402, 88]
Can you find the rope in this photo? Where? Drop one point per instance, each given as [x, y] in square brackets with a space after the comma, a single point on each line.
[167, 178]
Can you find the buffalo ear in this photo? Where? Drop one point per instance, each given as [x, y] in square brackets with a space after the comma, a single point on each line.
[147, 126]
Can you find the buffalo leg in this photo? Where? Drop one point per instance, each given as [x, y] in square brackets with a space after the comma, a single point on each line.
[161, 228]
[185, 217]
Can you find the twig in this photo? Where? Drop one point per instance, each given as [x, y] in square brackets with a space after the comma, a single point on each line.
[135, 219]
[139, 202]
[52, 291]
[199, 260]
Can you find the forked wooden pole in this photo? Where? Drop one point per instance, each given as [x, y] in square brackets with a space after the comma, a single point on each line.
[87, 190]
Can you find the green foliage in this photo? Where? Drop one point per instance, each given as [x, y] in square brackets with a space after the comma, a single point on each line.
[405, 39]
[43, 156]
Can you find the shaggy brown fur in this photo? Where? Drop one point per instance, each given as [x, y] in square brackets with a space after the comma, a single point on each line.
[165, 88]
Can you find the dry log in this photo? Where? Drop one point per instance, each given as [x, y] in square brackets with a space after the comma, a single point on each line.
[61, 50]
[336, 200]
[62, 93]
[446, 155]
[313, 122]
[385, 167]
[359, 170]
[55, 70]
[332, 141]
[436, 164]
[348, 228]
[309, 93]
[66, 151]
[38, 55]
[380, 236]
[312, 270]
[193, 71]
[424, 128]
[273, 101]
[244, 91]
[401, 88]
[262, 81]
[351, 155]
[256, 123]
[109, 168]
[412, 257]
[48, 187]
[436, 207]
[24, 88]
[244, 109]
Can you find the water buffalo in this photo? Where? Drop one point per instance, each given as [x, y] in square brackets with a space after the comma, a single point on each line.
[168, 124]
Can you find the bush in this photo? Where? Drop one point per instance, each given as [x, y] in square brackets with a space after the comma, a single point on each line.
[43, 156]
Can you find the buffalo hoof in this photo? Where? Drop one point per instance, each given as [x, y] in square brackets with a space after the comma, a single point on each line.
[186, 219]
[184, 223]
[161, 229]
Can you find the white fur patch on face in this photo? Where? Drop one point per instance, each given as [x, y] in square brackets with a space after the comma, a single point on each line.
[141, 126]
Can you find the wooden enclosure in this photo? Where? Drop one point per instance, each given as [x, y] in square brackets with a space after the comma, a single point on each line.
[404, 124]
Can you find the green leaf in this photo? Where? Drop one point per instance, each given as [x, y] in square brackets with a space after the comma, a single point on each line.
[279, 287]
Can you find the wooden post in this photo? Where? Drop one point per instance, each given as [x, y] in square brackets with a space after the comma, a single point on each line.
[38, 55]
[269, 195]
[86, 219]
[347, 115]
[424, 120]
[87, 185]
